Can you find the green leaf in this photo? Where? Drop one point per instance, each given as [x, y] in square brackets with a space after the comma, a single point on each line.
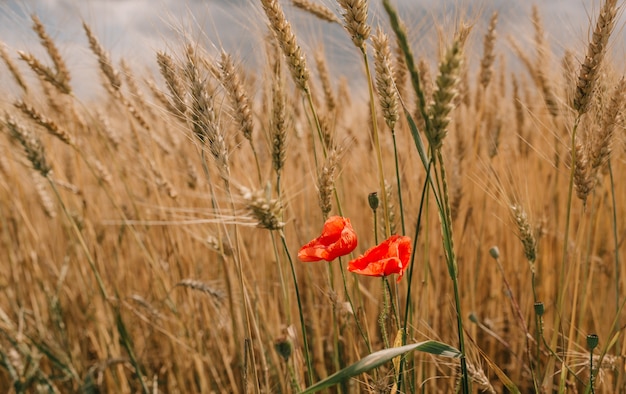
[378, 358]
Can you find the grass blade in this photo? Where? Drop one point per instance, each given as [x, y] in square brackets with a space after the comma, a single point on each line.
[380, 357]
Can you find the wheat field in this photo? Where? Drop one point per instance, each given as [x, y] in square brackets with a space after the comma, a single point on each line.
[152, 235]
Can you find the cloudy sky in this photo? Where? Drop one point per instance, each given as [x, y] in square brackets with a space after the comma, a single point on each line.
[135, 29]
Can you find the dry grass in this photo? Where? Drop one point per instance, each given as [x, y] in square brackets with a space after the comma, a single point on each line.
[141, 239]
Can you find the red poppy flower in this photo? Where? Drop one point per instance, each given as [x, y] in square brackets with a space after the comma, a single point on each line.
[390, 257]
[338, 238]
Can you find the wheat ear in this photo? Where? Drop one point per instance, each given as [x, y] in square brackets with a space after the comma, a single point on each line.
[316, 9]
[287, 41]
[385, 86]
[171, 74]
[13, 69]
[590, 68]
[355, 20]
[486, 63]
[104, 60]
[239, 98]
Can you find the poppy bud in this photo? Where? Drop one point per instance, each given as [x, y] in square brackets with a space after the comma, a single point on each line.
[372, 198]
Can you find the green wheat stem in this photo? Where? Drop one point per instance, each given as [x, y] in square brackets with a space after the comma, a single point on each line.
[305, 341]
[446, 220]
[398, 180]
[379, 157]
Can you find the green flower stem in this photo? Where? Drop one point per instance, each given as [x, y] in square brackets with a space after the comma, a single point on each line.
[382, 319]
[358, 323]
[283, 283]
[331, 280]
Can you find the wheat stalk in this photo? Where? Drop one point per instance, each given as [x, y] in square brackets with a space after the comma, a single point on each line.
[326, 181]
[265, 210]
[238, 96]
[45, 72]
[13, 69]
[486, 63]
[590, 68]
[447, 89]
[279, 121]
[322, 69]
[62, 75]
[319, 10]
[355, 20]
[45, 122]
[385, 87]
[104, 60]
[583, 177]
[31, 143]
[174, 83]
[296, 60]
[525, 233]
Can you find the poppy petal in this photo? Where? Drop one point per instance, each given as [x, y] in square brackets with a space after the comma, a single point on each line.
[389, 257]
[337, 239]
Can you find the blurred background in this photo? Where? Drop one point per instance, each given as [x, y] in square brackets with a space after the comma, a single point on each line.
[136, 29]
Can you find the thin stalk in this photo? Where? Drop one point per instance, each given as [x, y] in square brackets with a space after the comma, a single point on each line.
[244, 294]
[382, 319]
[379, 157]
[446, 221]
[568, 215]
[331, 281]
[538, 328]
[256, 161]
[281, 274]
[394, 308]
[407, 307]
[522, 321]
[80, 238]
[615, 238]
[616, 246]
[561, 287]
[395, 156]
[591, 374]
[358, 324]
[316, 119]
[403, 41]
[319, 132]
[305, 341]
[283, 284]
[227, 279]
